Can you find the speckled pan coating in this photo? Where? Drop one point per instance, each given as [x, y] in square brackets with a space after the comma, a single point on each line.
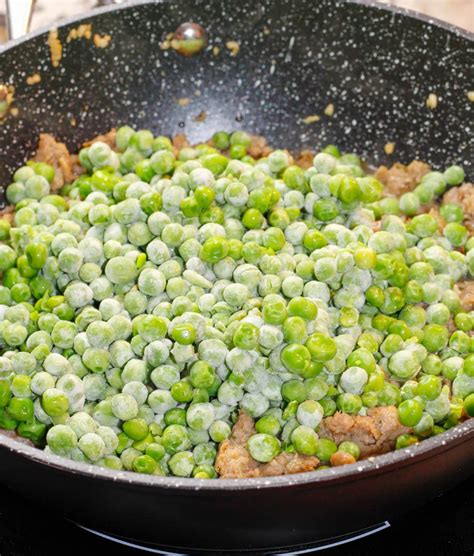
[376, 66]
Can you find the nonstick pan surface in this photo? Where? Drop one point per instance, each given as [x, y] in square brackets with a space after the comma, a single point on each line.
[295, 57]
[377, 67]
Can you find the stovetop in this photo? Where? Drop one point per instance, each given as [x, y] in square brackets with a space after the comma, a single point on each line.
[444, 527]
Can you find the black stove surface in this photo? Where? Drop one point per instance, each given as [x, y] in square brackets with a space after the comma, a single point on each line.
[444, 527]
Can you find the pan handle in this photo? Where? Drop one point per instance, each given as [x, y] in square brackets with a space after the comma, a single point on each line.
[18, 17]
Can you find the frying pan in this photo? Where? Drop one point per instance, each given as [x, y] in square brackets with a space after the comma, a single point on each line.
[376, 66]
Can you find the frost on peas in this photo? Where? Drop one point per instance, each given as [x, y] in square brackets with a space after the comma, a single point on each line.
[73, 387]
[70, 260]
[92, 446]
[61, 439]
[57, 365]
[349, 297]
[310, 413]
[278, 161]
[236, 294]
[82, 423]
[324, 163]
[161, 401]
[94, 387]
[213, 351]
[404, 364]
[238, 359]
[197, 279]
[92, 250]
[353, 380]
[254, 404]
[137, 390]
[294, 233]
[134, 370]
[120, 352]
[181, 464]
[230, 393]
[182, 353]
[103, 414]
[294, 199]
[292, 286]
[463, 385]
[325, 269]
[109, 438]
[271, 389]
[121, 270]
[151, 281]
[357, 278]
[41, 381]
[164, 376]
[23, 363]
[124, 407]
[270, 337]
[439, 408]
[200, 416]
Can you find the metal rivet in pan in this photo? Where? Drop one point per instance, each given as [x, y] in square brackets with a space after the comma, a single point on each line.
[189, 39]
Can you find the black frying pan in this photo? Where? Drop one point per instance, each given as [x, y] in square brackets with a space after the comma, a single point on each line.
[377, 66]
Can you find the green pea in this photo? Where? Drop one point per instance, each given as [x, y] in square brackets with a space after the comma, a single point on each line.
[321, 347]
[268, 424]
[435, 337]
[214, 249]
[325, 449]
[144, 464]
[252, 219]
[302, 307]
[221, 139]
[305, 440]
[136, 429]
[469, 405]
[202, 375]
[349, 448]
[182, 392]
[296, 357]
[184, 333]
[246, 336]
[275, 312]
[410, 412]
[293, 390]
[429, 387]
[349, 403]
[405, 441]
[21, 409]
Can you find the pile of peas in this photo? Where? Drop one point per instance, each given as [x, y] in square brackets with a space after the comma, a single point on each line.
[162, 292]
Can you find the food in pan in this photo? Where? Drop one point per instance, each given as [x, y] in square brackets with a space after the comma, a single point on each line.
[226, 310]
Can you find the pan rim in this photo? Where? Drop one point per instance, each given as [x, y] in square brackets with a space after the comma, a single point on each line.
[372, 4]
[379, 464]
[461, 433]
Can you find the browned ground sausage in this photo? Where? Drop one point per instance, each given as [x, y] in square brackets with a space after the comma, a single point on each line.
[108, 138]
[374, 433]
[341, 458]
[465, 290]
[400, 179]
[464, 196]
[235, 462]
[55, 153]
